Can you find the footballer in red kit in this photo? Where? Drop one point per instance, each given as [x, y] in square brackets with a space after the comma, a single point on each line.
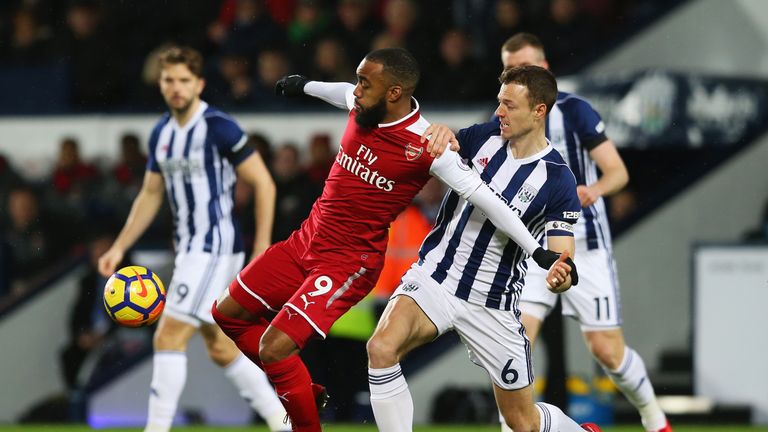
[337, 254]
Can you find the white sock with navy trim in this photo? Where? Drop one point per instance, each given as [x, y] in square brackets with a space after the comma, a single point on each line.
[390, 399]
[631, 377]
[169, 374]
[553, 419]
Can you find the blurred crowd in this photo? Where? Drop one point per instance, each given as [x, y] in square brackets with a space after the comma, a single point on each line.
[80, 202]
[105, 50]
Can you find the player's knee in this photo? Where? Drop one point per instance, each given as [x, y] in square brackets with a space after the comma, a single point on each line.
[166, 340]
[607, 354]
[272, 349]
[221, 353]
[381, 352]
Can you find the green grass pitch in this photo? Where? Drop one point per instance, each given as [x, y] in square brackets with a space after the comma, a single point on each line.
[370, 428]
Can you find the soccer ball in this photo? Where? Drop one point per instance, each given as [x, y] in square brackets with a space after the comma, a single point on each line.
[134, 296]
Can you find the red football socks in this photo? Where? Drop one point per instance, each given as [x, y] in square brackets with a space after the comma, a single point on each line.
[294, 388]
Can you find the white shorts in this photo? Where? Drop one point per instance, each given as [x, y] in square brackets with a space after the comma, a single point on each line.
[198, 280]
[594, 302]
[495, 339]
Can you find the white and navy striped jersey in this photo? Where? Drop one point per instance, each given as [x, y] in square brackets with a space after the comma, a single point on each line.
[574, 128]
[464, 252]
[198, 163]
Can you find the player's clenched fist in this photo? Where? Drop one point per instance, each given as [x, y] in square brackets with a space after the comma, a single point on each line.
[291, 85]
[558, 276]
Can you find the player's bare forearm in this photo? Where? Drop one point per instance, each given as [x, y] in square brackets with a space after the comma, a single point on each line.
[143, 211]
[254, 171]
[265, 216]
[614, 173]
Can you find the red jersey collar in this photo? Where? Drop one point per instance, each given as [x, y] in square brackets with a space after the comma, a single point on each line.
[406, 121]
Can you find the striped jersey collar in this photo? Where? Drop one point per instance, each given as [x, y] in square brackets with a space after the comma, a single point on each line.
[198, 114]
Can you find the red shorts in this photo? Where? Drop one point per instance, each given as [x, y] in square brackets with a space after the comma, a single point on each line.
[308, 291]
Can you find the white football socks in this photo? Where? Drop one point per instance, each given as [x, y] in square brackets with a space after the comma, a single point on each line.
[254, 386]
[169, 374]
[390, 399]
[631, 378]
[553, 419]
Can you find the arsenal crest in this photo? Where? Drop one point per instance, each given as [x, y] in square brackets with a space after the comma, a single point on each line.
[412, 152]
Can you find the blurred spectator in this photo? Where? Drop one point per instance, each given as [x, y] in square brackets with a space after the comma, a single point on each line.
[271, 66]
[509, 18]
[310, 22]
[233, 84]
[473, 18]
[30, 42]
[402, 28]
[331, 62]
[320, 158]
[32, 238]
[570, 34]
[72, 177]
[295, 192]
[263, 146]
[127, 176]
[455, 64]
[248, 31]
[355, 27]
[129, 170]
[88, 323]
[87, 46]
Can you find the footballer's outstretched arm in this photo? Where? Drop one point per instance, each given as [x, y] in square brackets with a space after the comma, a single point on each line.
[455, 173]
[338, 94]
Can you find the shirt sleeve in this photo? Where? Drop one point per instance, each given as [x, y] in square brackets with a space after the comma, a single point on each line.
[564, 208]
[230, 139]
[460, 177]
[152, 164]
[337, 94]
[588, 124]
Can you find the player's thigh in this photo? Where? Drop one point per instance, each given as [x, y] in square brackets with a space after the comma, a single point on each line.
[536, 299]
[270, 280]
[595, 301]
[402, 327]
[496, 341]
[329, 290]
[198, 280]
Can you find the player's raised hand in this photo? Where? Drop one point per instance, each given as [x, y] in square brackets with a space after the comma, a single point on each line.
[557, 277]
[291, 85]
[109, 261]
[439, 136]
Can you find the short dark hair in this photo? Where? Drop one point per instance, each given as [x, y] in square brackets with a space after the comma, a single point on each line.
[522, 40]
[399, 64]
[541, 84]
[183, 55]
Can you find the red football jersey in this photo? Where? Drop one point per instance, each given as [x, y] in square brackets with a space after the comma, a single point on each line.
[376, 174]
